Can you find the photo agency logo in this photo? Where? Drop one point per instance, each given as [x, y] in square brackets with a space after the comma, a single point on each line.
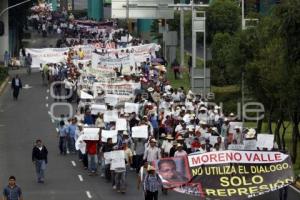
[250, 111]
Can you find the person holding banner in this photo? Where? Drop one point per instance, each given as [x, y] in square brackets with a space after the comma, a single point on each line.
[91, 150]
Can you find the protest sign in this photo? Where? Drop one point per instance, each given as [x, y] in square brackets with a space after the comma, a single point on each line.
[117, 164]
[265, 141]
[131, 107]
[90, 134]
[110, 116]
[213, 140]
[117, 160]
[54, 55]
[80, 144]
[107, 157]
[121, 124]
[140, 131]
[250, 144]
[233, 125]
[98, 108]
[236, 147]
[105, 134]
[238, 174]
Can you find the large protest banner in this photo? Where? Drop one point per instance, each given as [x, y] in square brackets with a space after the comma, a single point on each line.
[54, 55]
[229, 174]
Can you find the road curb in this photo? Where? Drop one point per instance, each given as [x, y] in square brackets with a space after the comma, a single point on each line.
[3, 85]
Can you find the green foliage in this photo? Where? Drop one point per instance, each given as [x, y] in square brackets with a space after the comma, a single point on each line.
[3, 74]
[223, 16]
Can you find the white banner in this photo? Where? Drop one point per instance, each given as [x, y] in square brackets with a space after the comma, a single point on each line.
[140, 131]
[109, 134]
[90, 134]
[265, 141]
[54, 55]
[121, 124]
[131, 107]
[98, 108]
[110, 116]
[223, 157]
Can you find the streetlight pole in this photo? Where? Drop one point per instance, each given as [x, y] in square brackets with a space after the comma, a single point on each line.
[182, 35]
[243, 15]
[10, 7]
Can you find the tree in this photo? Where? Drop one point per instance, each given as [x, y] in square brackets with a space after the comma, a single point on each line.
[223, 16]
[221, 48]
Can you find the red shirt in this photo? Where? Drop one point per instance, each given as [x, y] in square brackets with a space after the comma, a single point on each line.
[91, 147]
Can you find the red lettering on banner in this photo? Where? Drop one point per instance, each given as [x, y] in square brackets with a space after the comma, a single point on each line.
[213, 157]
[278, 156]
[196, 160]
[248, 156]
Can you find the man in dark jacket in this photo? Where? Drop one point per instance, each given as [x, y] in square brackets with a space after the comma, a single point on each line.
[39, 158]
[16, 85]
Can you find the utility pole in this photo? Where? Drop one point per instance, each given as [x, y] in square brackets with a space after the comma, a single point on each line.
[182, 35]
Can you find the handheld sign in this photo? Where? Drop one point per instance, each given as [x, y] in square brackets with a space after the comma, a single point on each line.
[140, 131]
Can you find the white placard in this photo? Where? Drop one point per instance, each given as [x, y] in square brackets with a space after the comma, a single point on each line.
[117, 154]
[236, 147]
[250, 144]
[121, 124]
[140, 131]
[112, 100]
[105, 134]
[117, 164]
[107, 157]
[90, 134]
[265, 141]
[131, 107]
[80, 144]
[110, 116]
[232, 125]
[213, 140]
[98, 108]
[84, 95]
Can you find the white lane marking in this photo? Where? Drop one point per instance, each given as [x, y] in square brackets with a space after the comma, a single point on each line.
[73, 163]
[48, 91]
[296, 190]
[57, 130]
[52, 120]
[47, 105]
[88, 194]
[47, 97]
[80, 177]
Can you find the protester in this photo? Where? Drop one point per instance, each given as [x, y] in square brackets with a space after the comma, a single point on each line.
[152, 184]
[40, 160]
[12, 191]
[16, 85]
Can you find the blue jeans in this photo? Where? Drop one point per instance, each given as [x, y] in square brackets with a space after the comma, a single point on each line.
[71, 144]
[120, 180]
[40, 166]
[92, 162]
[62, 145]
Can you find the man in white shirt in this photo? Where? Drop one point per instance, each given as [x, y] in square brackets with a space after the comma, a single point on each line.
[180, 152]
[167, 145]
[152, 152]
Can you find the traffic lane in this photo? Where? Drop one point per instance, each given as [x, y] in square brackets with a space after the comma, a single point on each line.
[24, 121]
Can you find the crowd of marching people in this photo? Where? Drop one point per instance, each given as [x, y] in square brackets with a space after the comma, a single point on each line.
[179, 122]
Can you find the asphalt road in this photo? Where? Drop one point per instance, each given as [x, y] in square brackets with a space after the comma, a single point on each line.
[25, 120]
